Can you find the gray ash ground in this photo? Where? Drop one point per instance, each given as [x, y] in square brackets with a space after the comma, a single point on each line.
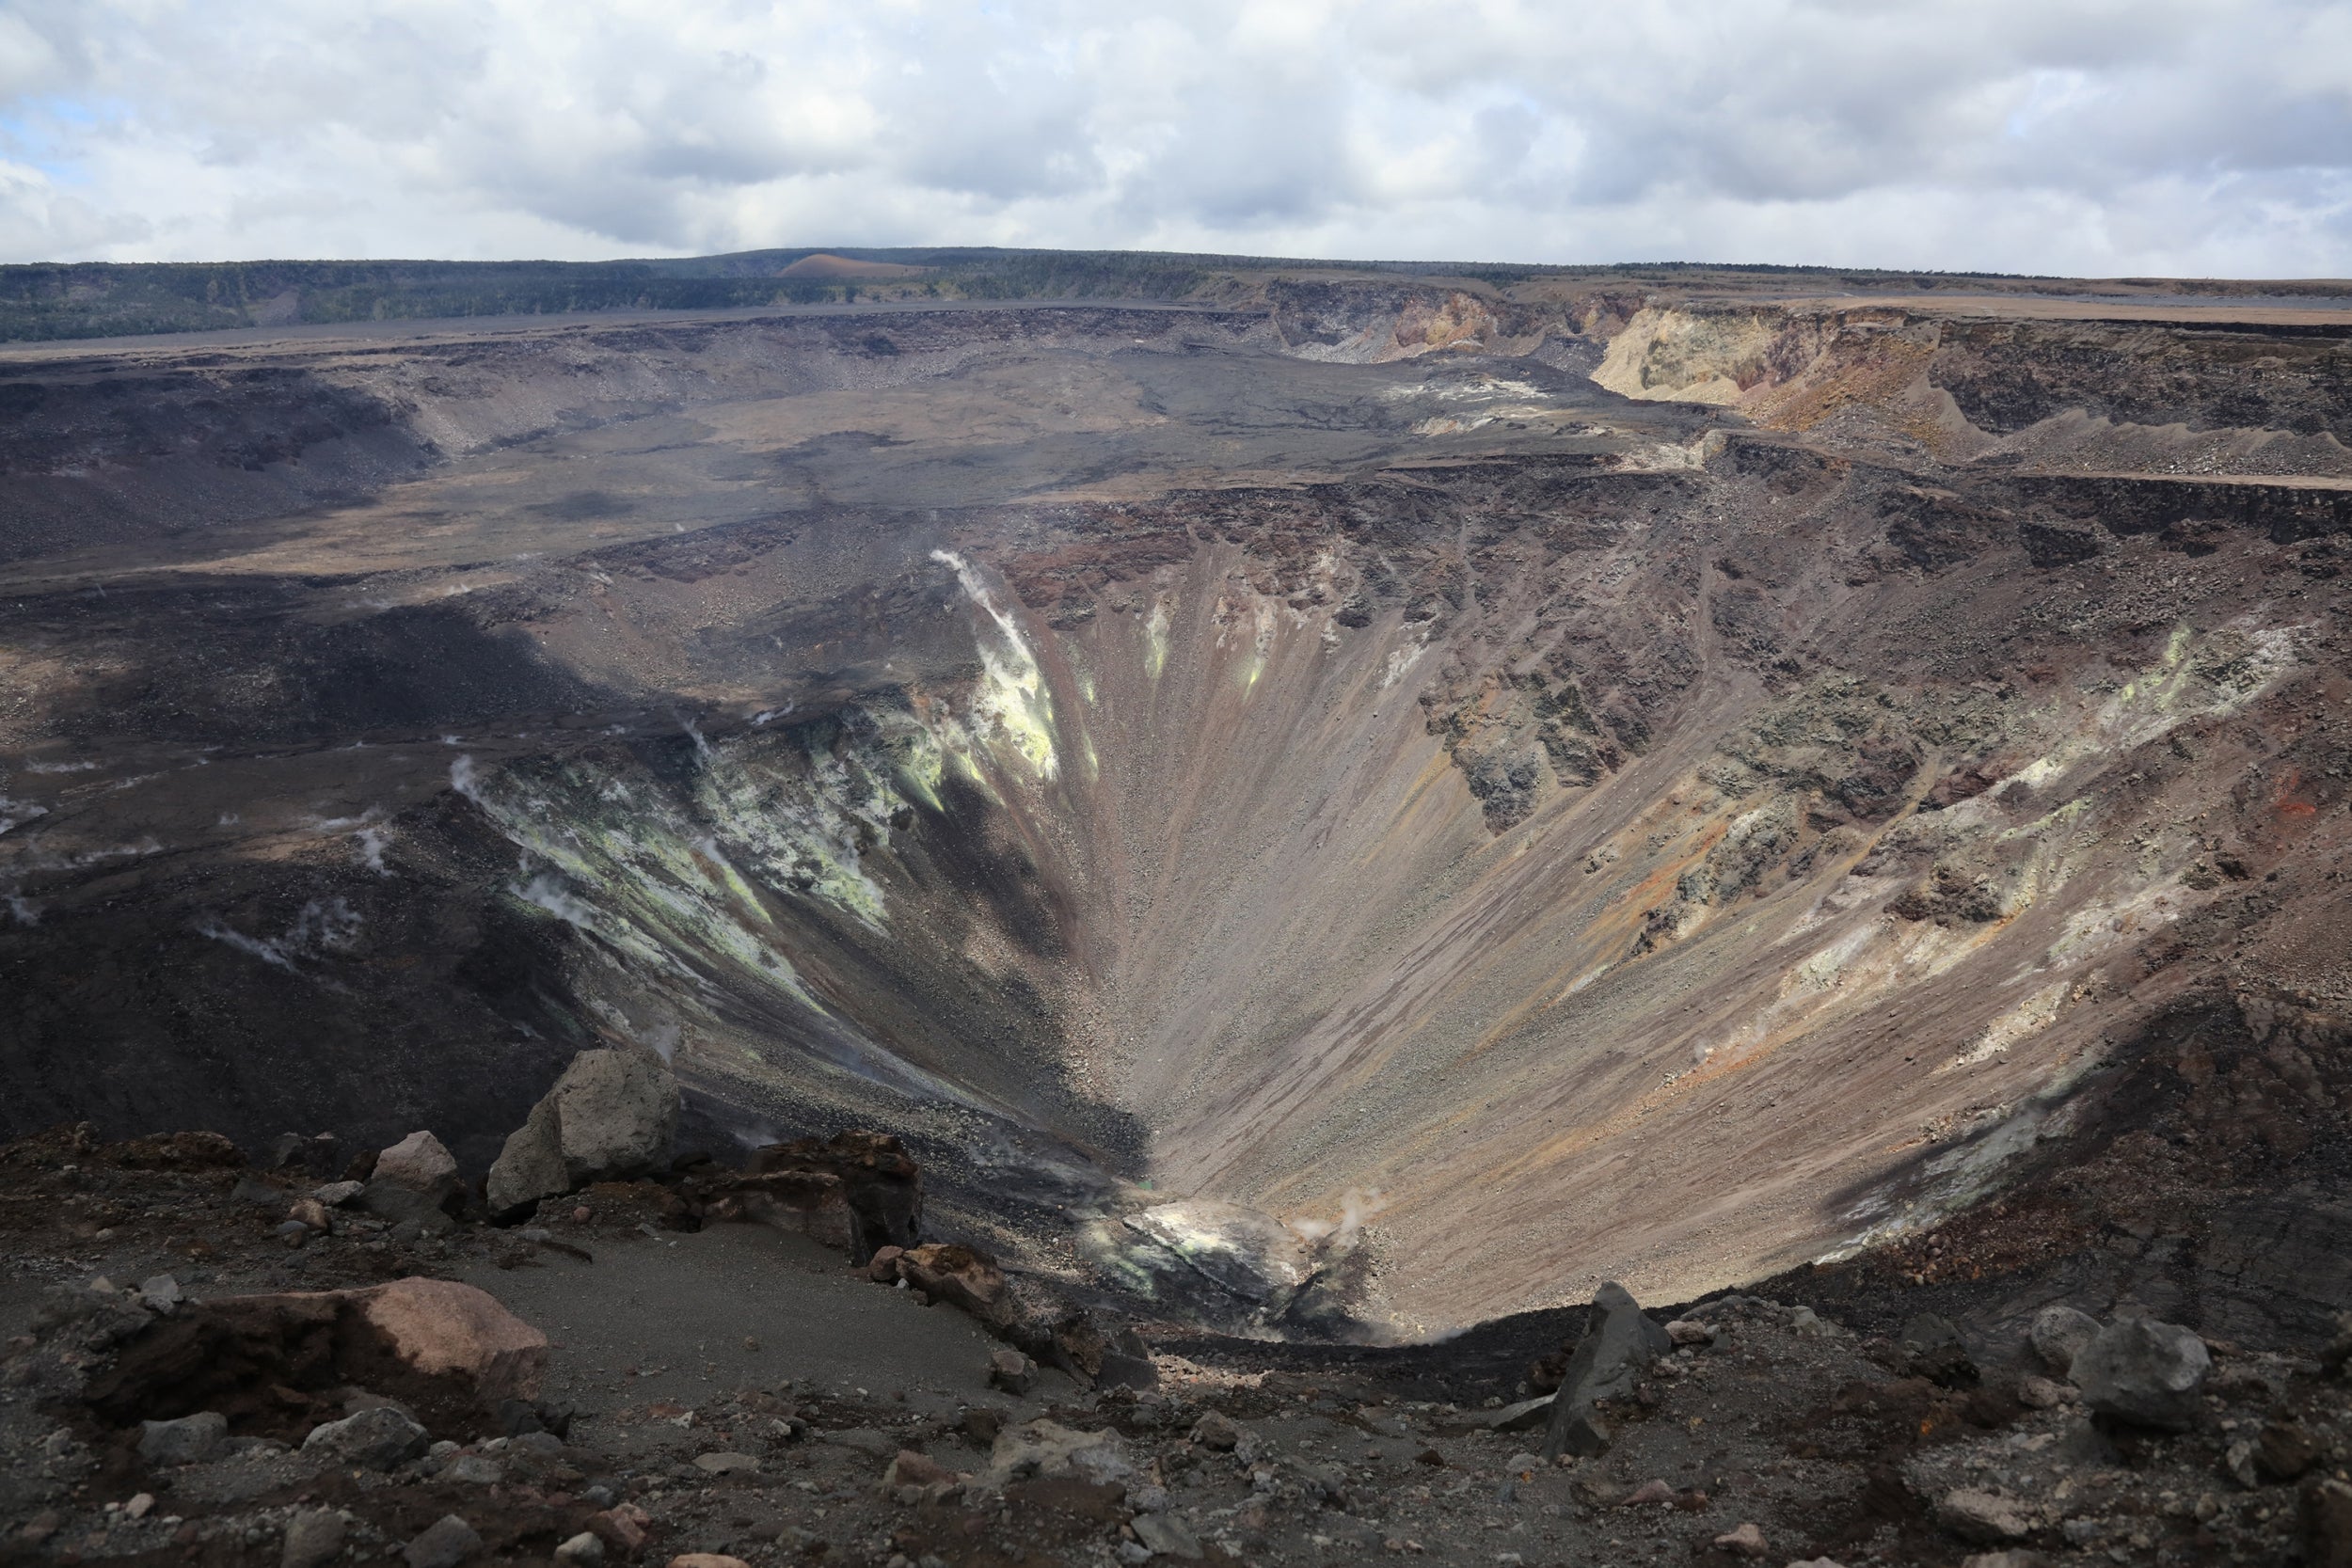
[748, 1391]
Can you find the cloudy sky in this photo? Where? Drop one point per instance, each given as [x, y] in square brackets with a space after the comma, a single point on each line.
[2086, 137]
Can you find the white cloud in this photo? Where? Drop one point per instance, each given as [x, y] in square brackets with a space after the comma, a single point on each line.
[2046, 135]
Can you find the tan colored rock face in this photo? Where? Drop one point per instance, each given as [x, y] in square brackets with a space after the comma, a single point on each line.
[612, 1114]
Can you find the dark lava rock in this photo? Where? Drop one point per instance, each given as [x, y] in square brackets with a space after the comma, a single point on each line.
[1606, 1362]
[2144, 1373]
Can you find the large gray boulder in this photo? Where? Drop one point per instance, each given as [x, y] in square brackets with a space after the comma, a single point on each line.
[1606, 1362]
[2145, 1372]
[612, 1114]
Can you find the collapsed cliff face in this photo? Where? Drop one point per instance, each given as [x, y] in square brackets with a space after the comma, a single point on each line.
[1332, 760]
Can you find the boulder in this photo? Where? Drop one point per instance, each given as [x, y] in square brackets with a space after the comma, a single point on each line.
[612, 1115]
[1047, 1448]
[1127, 1363]
[1216, 1431]
[445, 1544]
[1010, 1370]
[1935, 1352]
[2058, 1336]
[1584, 1434]
[419, 1163]
[377, 1438]
[189, 1440]
[804, 1203]
[315, 1538]
[962, 1276]
[2144, 1373]
[1166, 1535]
[1986, 1517]
[1606, 1362]
[443, 1329]
[2040, 1393]
[1020, 1312]
[880, 1181]
[2327, 1507]
[448, 1351]
[622, 1527]
[1745, 1541]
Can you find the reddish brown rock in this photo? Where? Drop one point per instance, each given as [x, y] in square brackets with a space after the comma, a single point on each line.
[441, 1328]
[271, 1363]
[624, 1528]
[880, 1182]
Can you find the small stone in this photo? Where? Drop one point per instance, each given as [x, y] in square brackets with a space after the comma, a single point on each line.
[2040, 1393]
[1648, 1492]
[1010, 1370]
[1983, 1516]
[1215, 1431]
[1523, 1464]
[375, 1439]
[1804, 1320]
[1746, 1541]
[1688, 1331]
[2145, 1372]
[293, 1232]
[585, 1550]
[314, 1537]
[136, 1508]
[336, 1194]
[160, 1292]
[726, 1464]
[310, 1212]
[445, 1544]
[2058, 1333]
[581, 1214]
[474, 1470]
[189, 1440]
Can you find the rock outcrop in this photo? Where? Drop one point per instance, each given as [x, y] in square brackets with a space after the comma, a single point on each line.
[1614, 1352]
[2145, 1372]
